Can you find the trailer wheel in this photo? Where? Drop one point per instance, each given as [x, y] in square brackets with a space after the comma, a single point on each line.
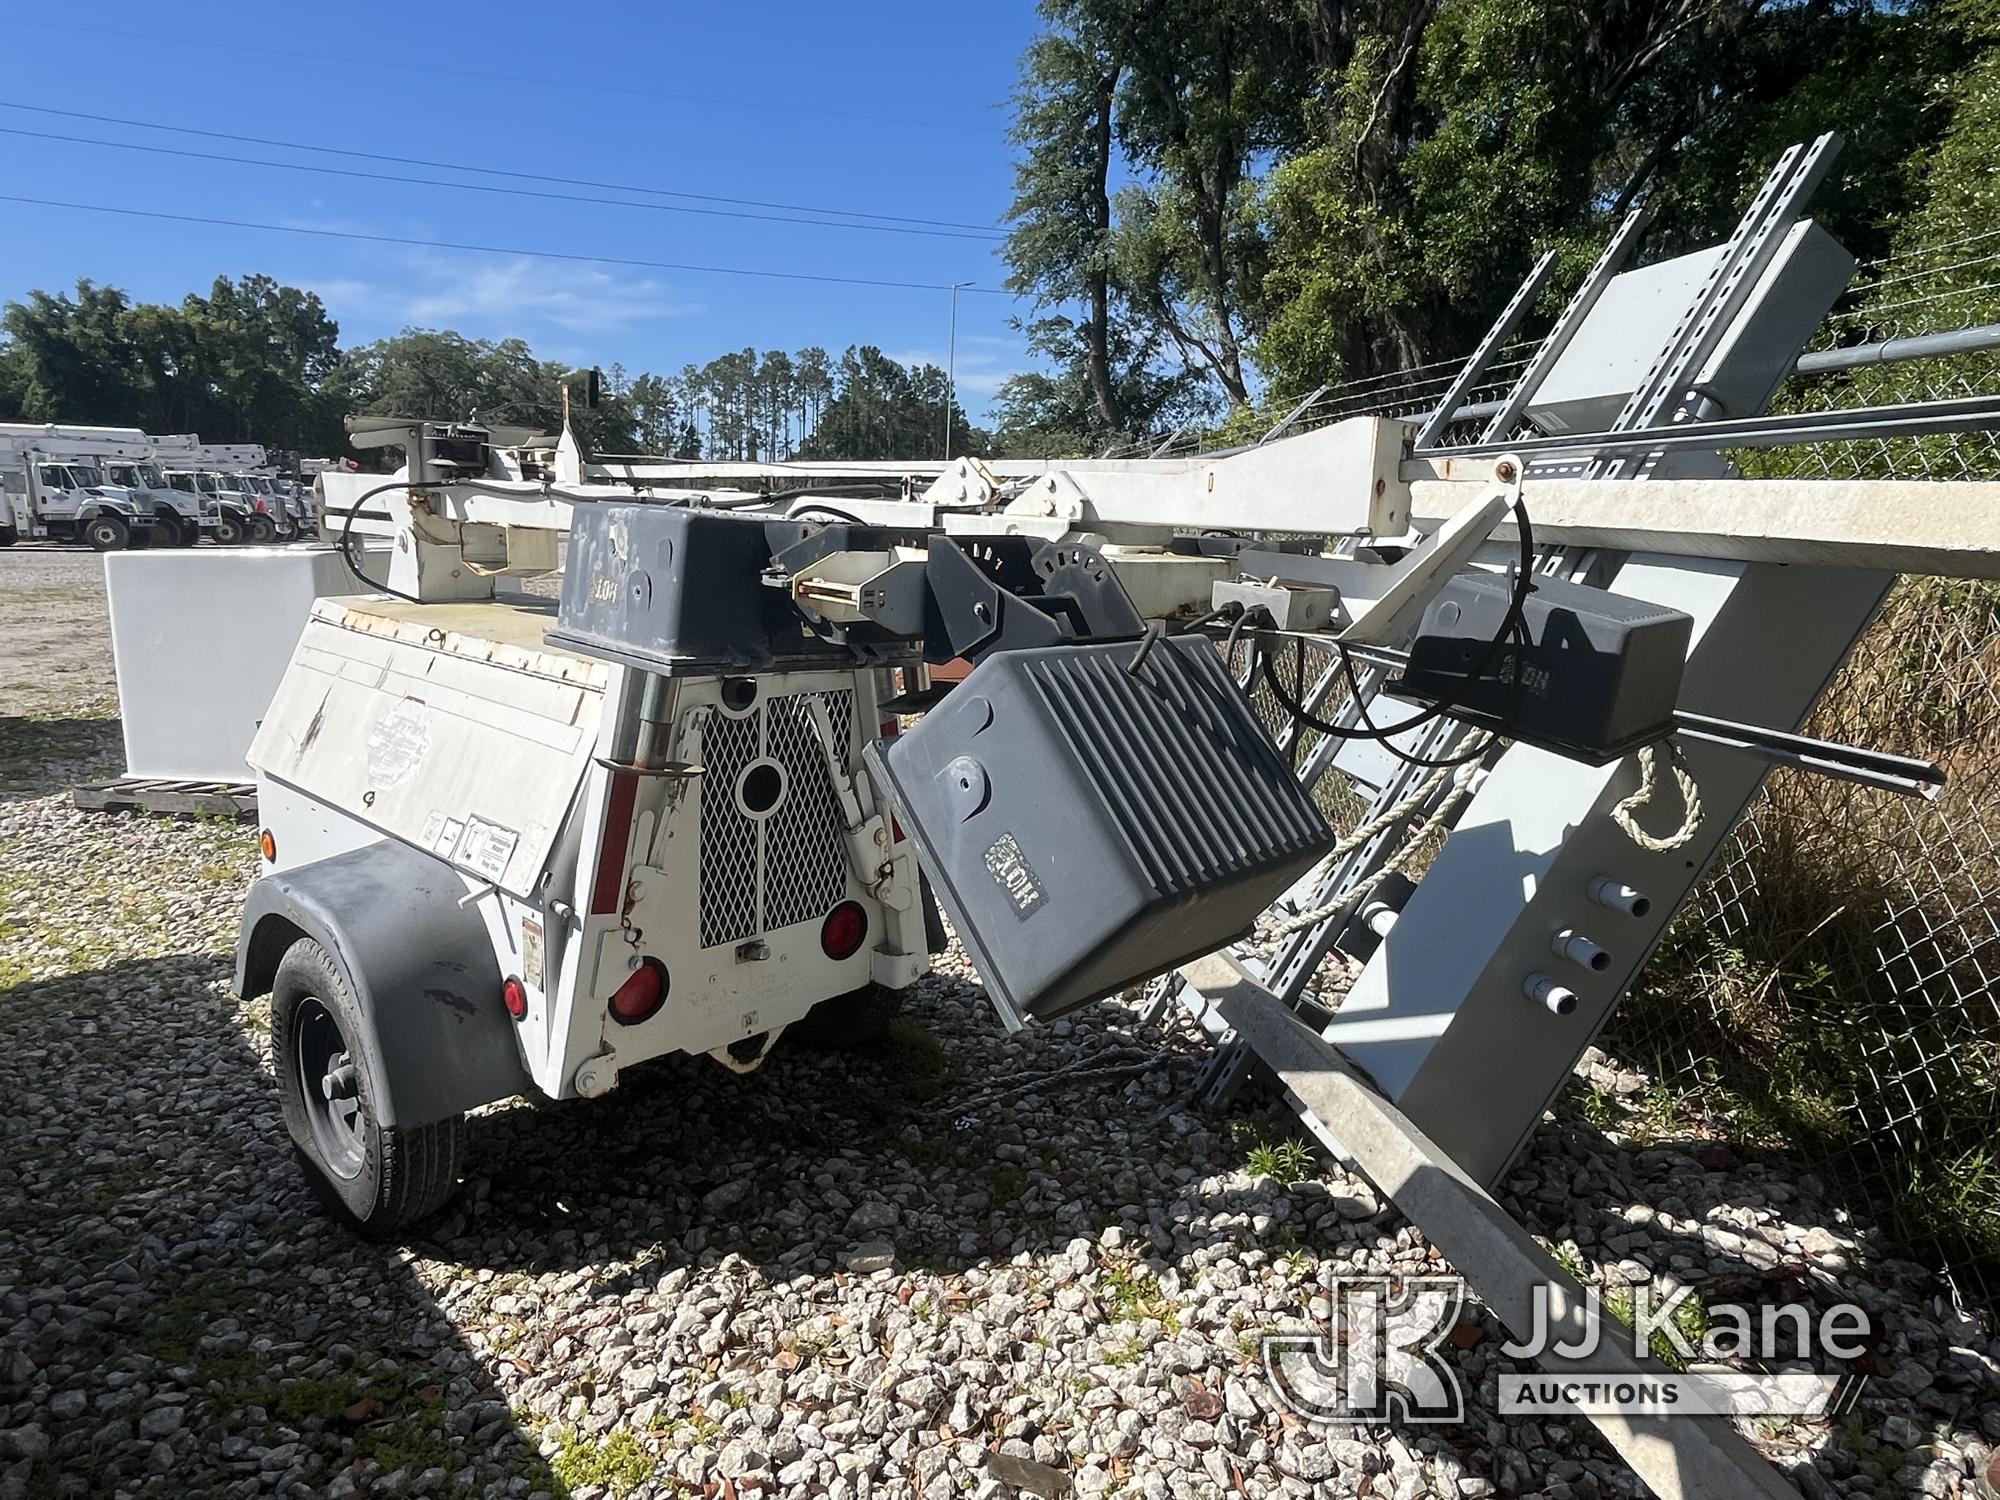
[858, 1019]
[378, 1179]
[228, 530]
[106, 533]
[262, 529]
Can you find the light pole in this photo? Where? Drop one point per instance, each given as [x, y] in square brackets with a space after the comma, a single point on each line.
[950, 368]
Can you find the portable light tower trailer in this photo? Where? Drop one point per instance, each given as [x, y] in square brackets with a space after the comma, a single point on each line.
[501, 836]
[455, 807]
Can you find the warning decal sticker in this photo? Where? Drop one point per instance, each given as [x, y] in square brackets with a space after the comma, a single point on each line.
[486, 848]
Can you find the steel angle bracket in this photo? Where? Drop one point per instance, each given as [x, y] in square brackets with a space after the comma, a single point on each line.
[1679, 1458]
[1381, 603]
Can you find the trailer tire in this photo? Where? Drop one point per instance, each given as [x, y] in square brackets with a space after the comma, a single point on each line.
[378, 1179]
[228, 530]
[859, 1019]
[106, 533]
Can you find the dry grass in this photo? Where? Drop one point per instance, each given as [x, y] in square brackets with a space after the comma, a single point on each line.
[1832, 989]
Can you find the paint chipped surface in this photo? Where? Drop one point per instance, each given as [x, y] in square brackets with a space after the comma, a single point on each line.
[397, 744]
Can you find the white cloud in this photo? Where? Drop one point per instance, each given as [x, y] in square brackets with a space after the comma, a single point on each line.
[500, 298]
[976, 373]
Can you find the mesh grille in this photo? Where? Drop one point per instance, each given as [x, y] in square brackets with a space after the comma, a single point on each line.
[792, 866]
[809, 871]
[729, 841]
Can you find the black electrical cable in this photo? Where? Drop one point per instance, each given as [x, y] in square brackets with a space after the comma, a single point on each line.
[1369, 730]
[347, 538]
[354, 509]
[1408, 758]
[1235, 633]
[563, 255]
[356, 173]
[98, 118]
[869, 489]
[1227, 611]
[826, 510]
[1156, 631]
[1514, 622]
[594, 83]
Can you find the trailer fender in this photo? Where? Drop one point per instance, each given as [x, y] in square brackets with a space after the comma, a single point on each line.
[420, 966]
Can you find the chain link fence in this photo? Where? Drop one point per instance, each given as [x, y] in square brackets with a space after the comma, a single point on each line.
[1833, 988]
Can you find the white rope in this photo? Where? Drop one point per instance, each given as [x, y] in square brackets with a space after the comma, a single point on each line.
[1348, 899]
[1624, 814]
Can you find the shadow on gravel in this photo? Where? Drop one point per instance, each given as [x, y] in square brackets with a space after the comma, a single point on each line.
[178, 1315]
[39, 756]
[686, 1161]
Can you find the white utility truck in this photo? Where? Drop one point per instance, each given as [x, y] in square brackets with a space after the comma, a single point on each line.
[44, 498]
[220, 473]
[127, 460]
[274, 502]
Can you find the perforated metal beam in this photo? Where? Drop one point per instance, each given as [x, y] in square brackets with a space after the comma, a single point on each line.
[1699, 1458]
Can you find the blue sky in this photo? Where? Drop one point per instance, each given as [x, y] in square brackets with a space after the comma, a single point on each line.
[888, 109]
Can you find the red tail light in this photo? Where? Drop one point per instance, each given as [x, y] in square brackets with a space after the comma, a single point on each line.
[641, 995]
[514, 995]
[844, 931]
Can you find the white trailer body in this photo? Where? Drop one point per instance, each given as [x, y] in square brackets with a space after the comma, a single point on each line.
[749, 873]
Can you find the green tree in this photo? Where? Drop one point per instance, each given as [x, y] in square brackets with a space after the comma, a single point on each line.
[1057, 414]
[248, 362]
[886, 410]
[1208, 88]
[437, 374]
[812, 375]
[656, 413]
[1447, 144]
[13, 379]
[1059, 250]
[77, 360]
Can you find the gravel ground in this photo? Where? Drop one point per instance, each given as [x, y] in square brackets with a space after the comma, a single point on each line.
[959, 1265]
[58, 697]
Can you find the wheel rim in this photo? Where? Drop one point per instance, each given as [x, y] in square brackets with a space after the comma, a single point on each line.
[328, 1080]
[104, 533]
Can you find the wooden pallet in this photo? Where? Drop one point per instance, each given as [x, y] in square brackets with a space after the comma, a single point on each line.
[184, 799]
